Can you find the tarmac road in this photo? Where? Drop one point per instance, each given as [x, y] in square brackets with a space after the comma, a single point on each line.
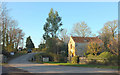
[23, 63]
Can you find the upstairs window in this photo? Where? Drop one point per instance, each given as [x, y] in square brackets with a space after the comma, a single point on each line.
[71, 46]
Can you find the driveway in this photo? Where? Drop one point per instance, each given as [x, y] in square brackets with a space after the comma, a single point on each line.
[23, 63]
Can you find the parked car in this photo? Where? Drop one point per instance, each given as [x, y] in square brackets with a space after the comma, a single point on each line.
[29, 50]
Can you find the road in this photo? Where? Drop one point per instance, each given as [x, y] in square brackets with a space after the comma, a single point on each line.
[23, 63]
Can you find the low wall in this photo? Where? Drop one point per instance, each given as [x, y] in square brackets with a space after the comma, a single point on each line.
[83, 60]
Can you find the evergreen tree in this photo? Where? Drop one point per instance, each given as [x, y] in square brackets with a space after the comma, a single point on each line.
[29, 43]
[52, 26]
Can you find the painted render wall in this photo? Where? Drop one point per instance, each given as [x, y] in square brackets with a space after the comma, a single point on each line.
[73, 46]
[80, 48]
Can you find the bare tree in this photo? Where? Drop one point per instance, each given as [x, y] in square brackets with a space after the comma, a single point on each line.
[11, 35]
[81, 29]
[64, 35]
[18, 38]
[4, 23]
[108, 34]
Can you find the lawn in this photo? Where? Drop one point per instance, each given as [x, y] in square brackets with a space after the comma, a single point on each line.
[83, 65]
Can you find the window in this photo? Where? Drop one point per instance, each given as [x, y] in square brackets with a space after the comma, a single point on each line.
[71, 46]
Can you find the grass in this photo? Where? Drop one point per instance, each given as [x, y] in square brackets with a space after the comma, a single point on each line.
[84, 65]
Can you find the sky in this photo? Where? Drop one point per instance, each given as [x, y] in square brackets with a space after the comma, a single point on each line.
[31, 16]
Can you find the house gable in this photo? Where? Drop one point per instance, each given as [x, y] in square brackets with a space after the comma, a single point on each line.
[71, 47]
[80, 44]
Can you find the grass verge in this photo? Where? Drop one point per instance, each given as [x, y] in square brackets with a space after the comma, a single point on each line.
[84, 65]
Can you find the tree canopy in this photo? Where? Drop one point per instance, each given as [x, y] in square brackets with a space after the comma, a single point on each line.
[29, 43]
[53, 24]
[81, 29]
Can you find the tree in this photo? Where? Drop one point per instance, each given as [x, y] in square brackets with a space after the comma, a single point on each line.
[81, 29]
[64, 36]
[93, 48]
[4, 23]
[29, 43]
[51, 45]
[53, 24]
[18, 37]
[113, 47]
[108, 33]
[112, 27]
[10, 34]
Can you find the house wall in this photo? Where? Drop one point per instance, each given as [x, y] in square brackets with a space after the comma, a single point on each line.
[77, 48]
[80, 48]
[71, 42]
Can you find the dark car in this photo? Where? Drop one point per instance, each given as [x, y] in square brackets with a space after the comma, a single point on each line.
[29, 51]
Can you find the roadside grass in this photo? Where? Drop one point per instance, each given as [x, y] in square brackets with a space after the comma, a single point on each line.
[84, 65]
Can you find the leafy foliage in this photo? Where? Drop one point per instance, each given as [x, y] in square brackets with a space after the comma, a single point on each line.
[113, 47]
[53, 24]
[29, 43]
[104, 58]
[94, 48]
[75, 60]
[108, 33]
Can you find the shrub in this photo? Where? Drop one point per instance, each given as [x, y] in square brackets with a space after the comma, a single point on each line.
[108, 58]
[50, 55]
[91, 59]
[75, 60]
[38, 58]
[113, 60]
[105, 56]
[90, 56]
[59, 58]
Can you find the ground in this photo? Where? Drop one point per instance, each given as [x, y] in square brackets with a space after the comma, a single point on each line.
[24, 65]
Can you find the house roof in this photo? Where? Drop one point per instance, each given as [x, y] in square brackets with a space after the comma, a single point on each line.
[86, 39]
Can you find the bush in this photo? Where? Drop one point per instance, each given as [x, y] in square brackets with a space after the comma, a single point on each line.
[109, 58]
[36, 50]
[38, 58]
[59, 58]
[90, 56]
[105, 58]
[91, 59]
[113, 60]
[105, 55]
[75, 60]
[52, 57]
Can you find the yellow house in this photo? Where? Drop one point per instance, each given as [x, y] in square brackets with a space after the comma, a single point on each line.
[77, 45]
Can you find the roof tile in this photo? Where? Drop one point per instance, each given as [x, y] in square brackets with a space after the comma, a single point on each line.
[86, 39]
